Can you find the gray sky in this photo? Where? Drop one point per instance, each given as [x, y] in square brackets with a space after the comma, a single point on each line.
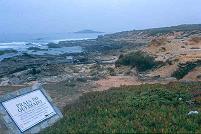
[44, 16]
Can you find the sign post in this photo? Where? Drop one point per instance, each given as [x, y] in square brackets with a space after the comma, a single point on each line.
[28, 110]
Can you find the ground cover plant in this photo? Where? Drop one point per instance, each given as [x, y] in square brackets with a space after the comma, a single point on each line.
[134, 109]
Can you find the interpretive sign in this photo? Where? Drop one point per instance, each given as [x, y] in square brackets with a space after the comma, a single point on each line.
[30, 111]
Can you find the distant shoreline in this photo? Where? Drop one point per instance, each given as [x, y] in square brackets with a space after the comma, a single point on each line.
[44, 38]
[88, 32]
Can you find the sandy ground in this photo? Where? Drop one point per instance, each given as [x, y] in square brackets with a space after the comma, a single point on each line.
[175, 51]
[194, 75]
[63, 94]
[116, 81]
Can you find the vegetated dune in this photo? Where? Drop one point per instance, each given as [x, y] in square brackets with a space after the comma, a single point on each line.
[145, 107]
[173, 52]
[178, 49]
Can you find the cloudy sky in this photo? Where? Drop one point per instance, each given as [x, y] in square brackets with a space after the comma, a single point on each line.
[58, 16]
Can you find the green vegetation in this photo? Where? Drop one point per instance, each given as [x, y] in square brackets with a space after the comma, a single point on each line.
[134, 109]
[184, 69]
[141, 60]
[172, 29]
[111, 71]
[2, 52]
[189, 29]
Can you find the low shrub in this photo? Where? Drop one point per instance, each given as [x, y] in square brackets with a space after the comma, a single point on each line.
[184, 69]
[111, 71]
[141, 60]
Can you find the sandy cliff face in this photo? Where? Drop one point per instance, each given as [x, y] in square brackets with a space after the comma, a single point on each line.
[175, 50]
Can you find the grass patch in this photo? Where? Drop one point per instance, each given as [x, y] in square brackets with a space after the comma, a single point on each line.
[134, 109]
[184, 69]
[141, 60]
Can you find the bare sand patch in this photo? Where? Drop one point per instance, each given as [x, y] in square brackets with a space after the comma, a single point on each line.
[116, 81]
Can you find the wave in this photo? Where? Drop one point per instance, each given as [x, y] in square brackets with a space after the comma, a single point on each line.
[20, 45]
[11, 43]
[71, 39]
[16, 45]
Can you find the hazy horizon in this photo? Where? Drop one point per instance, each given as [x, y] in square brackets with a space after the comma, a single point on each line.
[62, 16]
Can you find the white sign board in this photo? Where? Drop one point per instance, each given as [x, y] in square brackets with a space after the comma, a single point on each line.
[28, 110]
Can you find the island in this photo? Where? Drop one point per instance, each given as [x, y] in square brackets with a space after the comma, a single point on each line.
[87, 31]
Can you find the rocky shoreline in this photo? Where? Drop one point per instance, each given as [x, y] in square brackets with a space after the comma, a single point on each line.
[67, 76]
[29, 67]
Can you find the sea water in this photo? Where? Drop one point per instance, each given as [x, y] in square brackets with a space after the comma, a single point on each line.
[21, 43]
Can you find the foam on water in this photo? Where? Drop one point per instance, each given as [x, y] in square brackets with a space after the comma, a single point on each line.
[12, 45]
[72, 39]
[21, 43]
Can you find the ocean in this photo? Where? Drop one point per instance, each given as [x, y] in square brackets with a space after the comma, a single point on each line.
[21, 43]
